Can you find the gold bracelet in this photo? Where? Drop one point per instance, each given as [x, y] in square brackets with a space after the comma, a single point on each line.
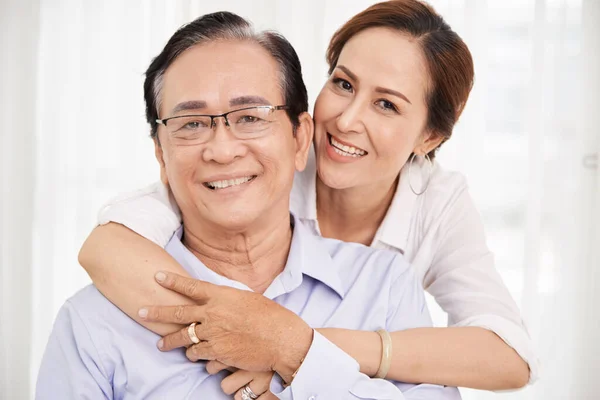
[386, 354]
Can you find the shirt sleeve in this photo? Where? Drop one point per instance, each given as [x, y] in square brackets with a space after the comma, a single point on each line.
[71, 367]
[329, 373]
[465, 283]
[150, 212]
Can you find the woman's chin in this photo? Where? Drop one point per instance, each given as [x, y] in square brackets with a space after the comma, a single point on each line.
[333, 178]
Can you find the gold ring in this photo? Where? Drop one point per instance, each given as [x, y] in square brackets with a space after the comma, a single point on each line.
[192, 333]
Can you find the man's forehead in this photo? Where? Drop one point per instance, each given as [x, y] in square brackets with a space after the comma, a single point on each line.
[223, 71]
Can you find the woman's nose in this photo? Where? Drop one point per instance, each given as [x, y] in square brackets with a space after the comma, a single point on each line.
[351, 119]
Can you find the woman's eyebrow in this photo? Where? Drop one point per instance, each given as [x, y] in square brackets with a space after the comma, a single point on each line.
[383, 90]
[351, 74]
[378, 89]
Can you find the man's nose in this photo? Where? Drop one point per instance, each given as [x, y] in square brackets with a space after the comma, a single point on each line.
[223, 147]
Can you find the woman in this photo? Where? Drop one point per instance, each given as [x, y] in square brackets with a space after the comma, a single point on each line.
[399, 80]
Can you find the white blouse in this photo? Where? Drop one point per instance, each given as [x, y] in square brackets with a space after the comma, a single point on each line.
[439, 232]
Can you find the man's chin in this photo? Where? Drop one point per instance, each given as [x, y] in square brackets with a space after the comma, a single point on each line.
[233, 220]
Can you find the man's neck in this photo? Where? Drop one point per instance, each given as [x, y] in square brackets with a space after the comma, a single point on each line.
[253, 257]
[355, 214]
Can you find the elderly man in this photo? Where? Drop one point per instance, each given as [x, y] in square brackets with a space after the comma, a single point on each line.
[227, 108]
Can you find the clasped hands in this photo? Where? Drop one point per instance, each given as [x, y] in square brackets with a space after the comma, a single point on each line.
[239, 330]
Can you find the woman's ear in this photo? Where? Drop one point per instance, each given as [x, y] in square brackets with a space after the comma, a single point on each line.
[303, 137]
[158, 153]
[428, 141]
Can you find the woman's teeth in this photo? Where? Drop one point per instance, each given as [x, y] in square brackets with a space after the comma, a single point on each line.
[344, 150]
[228, 183]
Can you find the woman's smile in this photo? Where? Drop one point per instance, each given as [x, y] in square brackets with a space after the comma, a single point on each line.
[341, 151]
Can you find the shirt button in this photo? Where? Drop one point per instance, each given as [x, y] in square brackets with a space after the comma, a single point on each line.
[312, 398]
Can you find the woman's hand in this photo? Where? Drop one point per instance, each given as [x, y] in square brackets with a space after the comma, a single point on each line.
[259, 382]
[239, 328]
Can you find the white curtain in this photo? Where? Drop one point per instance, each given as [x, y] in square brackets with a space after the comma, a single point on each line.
[73, 135]
[19, 24]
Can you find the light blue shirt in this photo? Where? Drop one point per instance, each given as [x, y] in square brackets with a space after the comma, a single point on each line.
[95, 351]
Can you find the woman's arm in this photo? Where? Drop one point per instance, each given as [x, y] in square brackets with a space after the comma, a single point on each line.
[487, 346]
[122, 265]
[465, 357]
[115, 256]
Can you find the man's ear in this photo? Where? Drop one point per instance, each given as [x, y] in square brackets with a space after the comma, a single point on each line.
[427, 142]
[158, 152]
[304, 137]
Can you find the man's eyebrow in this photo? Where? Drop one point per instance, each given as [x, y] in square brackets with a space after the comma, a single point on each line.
[378, 89]
[249, 101]
[189, 105]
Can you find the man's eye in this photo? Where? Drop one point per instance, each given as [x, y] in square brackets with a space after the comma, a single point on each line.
[248, 119]
[194, 125]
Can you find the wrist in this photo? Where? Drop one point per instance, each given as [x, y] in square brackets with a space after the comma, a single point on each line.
[293, 352]
[363, 346]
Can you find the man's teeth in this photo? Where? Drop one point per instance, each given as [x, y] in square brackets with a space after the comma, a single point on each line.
[228, 183]
[344, 150]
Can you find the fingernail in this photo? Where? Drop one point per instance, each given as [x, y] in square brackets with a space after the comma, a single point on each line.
[143, 313]
[160, 344]
[160, 276]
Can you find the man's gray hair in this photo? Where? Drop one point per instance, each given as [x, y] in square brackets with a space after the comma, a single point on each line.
[227, 26]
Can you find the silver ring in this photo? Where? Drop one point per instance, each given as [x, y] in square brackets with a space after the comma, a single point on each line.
[192, 333]
[248, 394]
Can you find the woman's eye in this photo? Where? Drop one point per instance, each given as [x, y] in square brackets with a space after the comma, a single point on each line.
[343, 84]
[386, 105]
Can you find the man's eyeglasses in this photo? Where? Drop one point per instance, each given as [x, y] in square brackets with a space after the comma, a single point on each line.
[245, 123]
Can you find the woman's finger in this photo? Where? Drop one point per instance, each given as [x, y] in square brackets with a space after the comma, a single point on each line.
[260, 384]
[192, 288]
[267, 396]
[201, 351]
[183, 315]
[181, 338]
[214, 367]
[236, 381]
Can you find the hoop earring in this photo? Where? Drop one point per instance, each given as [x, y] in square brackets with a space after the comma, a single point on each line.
[426, 157]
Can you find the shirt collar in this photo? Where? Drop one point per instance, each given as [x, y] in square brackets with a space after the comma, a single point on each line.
[394, 228]
[308, 256]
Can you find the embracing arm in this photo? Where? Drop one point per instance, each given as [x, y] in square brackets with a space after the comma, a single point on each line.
[115, 256]
[122, 265]
[464, 356]
[487, 345]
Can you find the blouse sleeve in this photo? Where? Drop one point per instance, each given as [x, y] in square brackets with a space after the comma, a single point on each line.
[464, 281]
[150, 212]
